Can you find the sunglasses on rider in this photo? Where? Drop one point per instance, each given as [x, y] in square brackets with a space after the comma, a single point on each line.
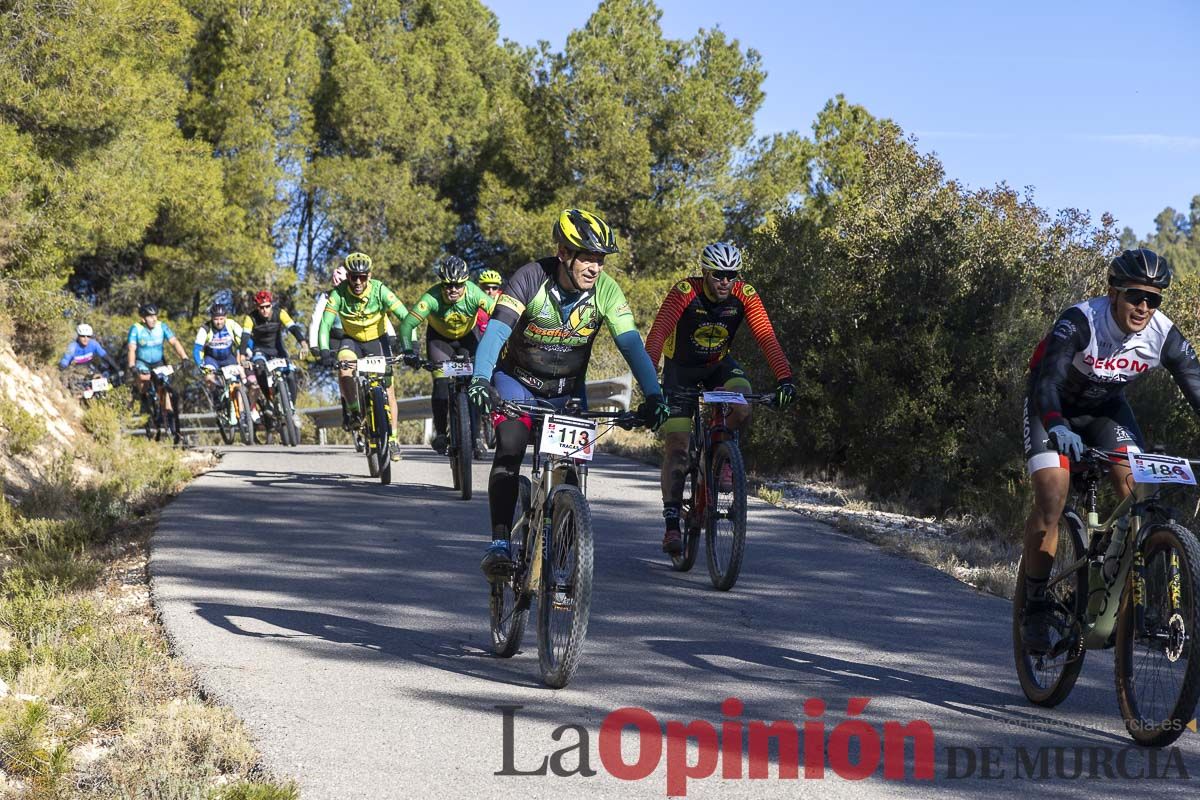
[1135, 297]
[454, 284]
[724, 274]
[356, 277]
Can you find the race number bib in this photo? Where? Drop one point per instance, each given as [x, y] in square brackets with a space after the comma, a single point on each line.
[232, 372]
[100, 384]
[733, 398]
[568, 436]
[373, 365]
[1152, 468]
[458, 369]
[164, 370]
[277, 363]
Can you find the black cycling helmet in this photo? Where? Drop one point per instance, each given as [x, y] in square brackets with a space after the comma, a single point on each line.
[219, 310]
[453, 270]
[146, 309]
[1142, 266]
[578, 230]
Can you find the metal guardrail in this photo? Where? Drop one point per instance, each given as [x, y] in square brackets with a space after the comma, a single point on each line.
[612, 393]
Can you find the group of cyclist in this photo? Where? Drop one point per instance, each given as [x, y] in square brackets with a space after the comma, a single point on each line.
[220, 342]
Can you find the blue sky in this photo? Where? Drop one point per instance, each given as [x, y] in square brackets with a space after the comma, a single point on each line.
[1093, 104]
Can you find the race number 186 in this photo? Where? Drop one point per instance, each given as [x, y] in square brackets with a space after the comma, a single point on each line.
[1152, 468]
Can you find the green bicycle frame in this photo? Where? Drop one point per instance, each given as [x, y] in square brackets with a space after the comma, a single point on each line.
[1098, 628]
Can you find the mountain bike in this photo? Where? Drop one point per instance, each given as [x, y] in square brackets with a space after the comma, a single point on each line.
[460, 447]
[552, 542]
[714, 485]
[1129, 582]
[370, 376]
[230, 404]
[280, 411]
[89, 386]
[156, 420]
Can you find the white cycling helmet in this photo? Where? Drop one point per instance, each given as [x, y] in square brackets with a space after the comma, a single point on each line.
[721, 256]
[83, 329]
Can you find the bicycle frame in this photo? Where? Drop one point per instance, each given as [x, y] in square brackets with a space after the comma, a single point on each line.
[1140, 507]
[548, 474]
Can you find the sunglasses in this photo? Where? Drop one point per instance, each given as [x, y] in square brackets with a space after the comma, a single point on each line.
[450, 285]
[724, 274]
[355, 277]
[1135, 297]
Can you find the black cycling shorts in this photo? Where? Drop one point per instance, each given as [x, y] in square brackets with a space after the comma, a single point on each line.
[1108, 426]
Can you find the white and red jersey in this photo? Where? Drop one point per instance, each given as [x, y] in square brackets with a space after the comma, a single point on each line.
[1087, 359]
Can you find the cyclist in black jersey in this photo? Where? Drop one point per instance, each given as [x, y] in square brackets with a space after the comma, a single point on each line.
[1076, 398]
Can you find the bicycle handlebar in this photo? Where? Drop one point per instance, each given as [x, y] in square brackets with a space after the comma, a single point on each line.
[351, 364]
[1096, 456]
[624, 419]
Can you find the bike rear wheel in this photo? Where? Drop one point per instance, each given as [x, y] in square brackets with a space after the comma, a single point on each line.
[565, 590]
[1157, 664]
[509, 602]
[463, 447]
[691, 519]
[1048, 678]
[725, 531]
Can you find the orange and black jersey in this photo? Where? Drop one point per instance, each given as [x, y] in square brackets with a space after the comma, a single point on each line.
[692, 330]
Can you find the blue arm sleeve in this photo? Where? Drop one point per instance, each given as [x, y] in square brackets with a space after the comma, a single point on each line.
[489, 348]
[631, 347]
[198, 354]
[68, 356]
[247, 343]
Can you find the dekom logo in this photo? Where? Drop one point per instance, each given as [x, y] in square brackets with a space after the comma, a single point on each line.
[1119, 363]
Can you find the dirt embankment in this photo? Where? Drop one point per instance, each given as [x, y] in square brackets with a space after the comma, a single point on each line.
[39, 422]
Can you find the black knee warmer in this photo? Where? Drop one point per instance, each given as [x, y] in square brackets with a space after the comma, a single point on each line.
[512, 437]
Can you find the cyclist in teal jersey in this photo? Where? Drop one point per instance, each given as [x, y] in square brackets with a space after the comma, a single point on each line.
[145, 350]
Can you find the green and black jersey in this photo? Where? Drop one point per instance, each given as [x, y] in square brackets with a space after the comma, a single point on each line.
[449, 320]
[553, 333]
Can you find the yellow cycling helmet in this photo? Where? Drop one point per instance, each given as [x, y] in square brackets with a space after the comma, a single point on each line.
[582, 230]
[489, 277]
[358, 263]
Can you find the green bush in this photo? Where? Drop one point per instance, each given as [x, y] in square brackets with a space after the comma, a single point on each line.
[909, 307]
[22, 430]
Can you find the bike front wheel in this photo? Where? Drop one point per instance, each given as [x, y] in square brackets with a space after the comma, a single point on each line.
[219, 404]
[463, 447]
[1047, 678]
[290, 432]
[565, 590]
[725, 531]
[509, 601]
[245, 422]
[1157, 664]
[380, 434]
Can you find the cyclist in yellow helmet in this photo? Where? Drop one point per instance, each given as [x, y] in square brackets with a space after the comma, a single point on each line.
[490, 281]
[363, 304]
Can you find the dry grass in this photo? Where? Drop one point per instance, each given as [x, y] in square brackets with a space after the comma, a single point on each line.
[92, 704]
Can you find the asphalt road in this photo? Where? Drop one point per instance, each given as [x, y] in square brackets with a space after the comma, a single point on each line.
[347, 624]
